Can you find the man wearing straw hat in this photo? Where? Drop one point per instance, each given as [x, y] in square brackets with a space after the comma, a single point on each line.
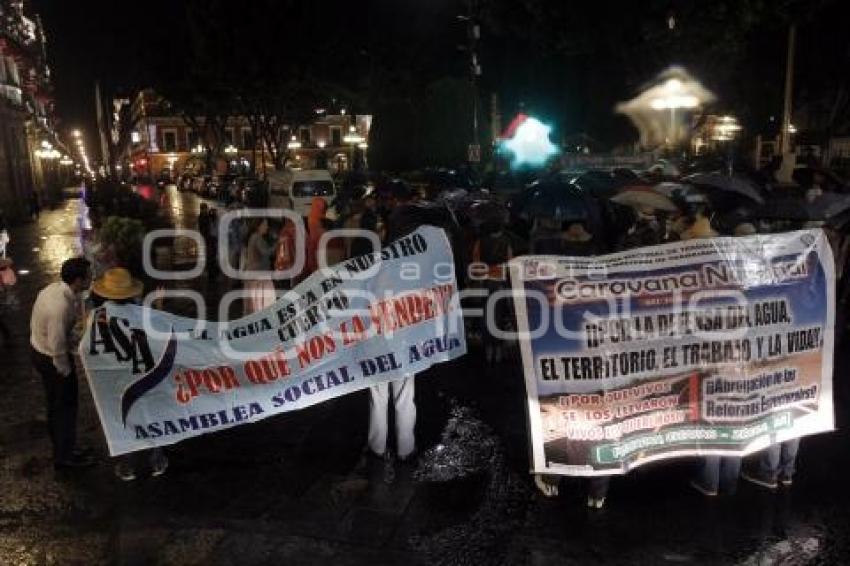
[118, 287]
[54, 315]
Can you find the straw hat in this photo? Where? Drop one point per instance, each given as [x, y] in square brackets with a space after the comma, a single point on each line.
[117, 284]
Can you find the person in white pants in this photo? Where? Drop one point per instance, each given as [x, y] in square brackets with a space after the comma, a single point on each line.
[405, 417]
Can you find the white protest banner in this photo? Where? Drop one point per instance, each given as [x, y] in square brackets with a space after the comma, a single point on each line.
[717, 346]
[158, 378]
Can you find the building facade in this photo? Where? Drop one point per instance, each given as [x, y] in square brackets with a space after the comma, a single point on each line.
[164, 143]
[26, 110]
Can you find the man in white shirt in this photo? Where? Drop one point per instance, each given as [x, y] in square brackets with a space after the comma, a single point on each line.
[53, 317]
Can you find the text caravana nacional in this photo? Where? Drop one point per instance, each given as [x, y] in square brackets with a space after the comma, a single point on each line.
[708, 276]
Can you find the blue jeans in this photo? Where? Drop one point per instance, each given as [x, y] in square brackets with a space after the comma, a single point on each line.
[778, 460]
[718, 473]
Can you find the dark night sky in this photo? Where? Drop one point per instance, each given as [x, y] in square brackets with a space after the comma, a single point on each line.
[592, 55]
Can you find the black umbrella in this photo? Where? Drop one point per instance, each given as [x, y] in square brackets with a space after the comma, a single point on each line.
[826, 207]
[553, 199]
[734, 184]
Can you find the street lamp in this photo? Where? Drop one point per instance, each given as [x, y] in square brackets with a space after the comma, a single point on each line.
[672, 98]
[654, 110]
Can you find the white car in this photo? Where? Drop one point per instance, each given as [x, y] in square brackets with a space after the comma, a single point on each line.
[295, 189]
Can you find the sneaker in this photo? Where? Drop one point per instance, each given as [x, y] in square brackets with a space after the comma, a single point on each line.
[125, 472]
[159, 465]
[707, 492]
[74, 463]
[599, 503]
[591, 502]
[755, 478]
[786, 482]
[549, 488]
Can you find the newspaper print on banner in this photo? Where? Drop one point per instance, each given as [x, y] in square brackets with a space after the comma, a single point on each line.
[718, 346]
[158, 378]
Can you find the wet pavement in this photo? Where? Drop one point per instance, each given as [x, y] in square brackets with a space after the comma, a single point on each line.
[293, 489]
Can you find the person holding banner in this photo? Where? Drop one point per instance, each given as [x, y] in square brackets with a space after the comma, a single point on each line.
[714, 473]
[53, 318]
[402, 391]
[776, 465]
[118, 287]
[575, 241]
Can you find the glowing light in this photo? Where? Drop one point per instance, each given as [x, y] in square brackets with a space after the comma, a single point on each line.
[321, 144]
[660, 111]
[530, 143]
[726, 128]
[76, 133]
[23, 272]
[293, 143]
[363, 145]
[135, 137]
[353, 137]
[674, 101]
[230, 149]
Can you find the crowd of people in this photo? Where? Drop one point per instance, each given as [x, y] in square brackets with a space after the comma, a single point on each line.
[260, 247]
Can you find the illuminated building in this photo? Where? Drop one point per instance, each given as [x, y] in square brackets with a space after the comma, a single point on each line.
[162, 141]
[26, 109]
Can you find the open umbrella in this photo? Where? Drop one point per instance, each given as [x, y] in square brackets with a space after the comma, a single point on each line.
[644, 197]
[728, 183]
[826, 207]
[554, 199]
